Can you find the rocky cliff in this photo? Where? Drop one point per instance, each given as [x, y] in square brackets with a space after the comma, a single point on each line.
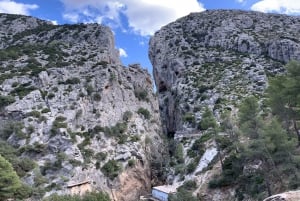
[69, 106]
[215, 57]
[287, 196]
[204, 64]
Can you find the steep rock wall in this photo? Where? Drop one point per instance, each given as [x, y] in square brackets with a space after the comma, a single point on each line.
[204, 58]
[81, 115]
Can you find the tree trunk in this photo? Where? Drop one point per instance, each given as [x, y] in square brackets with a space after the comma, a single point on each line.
[297, 131]
[268, 187]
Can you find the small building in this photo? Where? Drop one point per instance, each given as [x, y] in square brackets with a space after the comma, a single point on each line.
[79, 188]
[162, 192]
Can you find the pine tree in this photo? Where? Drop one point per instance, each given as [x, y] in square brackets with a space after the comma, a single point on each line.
[208, 120]
[9, 181]
[284, 97]
[250, 123]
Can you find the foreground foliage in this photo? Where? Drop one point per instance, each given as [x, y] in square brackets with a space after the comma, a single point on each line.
[92, 196]
[267, 162]
[184, 192]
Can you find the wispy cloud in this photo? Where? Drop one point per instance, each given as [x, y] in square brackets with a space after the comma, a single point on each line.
[143, 16]
[123, 53]
[241, 1]
[72, 17]
[12, 7]
[279, 6]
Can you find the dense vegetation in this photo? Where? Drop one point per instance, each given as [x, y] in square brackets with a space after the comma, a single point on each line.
[93, 196]
[184, 192]
[269, 161]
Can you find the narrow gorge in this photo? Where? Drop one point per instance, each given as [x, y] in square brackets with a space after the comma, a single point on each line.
[74, 119]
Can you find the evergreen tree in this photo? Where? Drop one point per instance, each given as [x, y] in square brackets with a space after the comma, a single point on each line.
[249, 121]
[284, 97]
[9, 181]
[179, 153]
[208, 120]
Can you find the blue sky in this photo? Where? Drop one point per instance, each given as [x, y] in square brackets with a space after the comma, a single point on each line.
[134, 21]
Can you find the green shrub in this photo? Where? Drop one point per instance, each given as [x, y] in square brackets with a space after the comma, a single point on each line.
[51, 96]
[97, 97]
[90, 196]
[49, 166]
[146, 114]
[185, 192]
[189, 185]
[34, 113]
[9, 180]
[89, 89]
[117, 130]
[189, 117]
[60, 118]
[57, 124]
[10, 128]
[23, 90]
[21, 165]
[73, 80]
[111, 169]
[179, 153]
[55, 89]
[24, 165]
[98, 129]
[101, 156]
[23, 192]
[6, 100]
[135, 138]
[141, 94]
[42, 119]
[191, 167]
[131, 162]
[36, 148]
[78, 113]
[208, 120]
[232, 169]
[45, 110]
[127, 116]
[179, 169]
[30, 129]
[75, 162]
[87, 154]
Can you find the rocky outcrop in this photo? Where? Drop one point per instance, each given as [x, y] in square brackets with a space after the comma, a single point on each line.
[217, 56]
[208, 62]
[81, 115]
[287, 196]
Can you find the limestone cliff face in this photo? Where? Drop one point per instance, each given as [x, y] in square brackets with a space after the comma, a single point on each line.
[214, 57]
[213, 60]
[81, 115]
[286, 196]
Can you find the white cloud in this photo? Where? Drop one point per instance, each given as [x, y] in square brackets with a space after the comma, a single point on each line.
[72, 17]
[54, 22]
[12, 7]
[123, 53]
[144, 16]
[280, 6]
[240, 1]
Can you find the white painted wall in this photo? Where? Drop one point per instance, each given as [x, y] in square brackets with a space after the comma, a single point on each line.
[159, 195]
